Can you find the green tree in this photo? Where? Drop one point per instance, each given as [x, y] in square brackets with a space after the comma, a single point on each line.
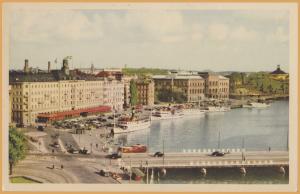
[270, 88]
[17, 147]
[262, 87]
[133, 93]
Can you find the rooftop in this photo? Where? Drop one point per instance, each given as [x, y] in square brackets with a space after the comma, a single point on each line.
[176, 77]
[278, 71]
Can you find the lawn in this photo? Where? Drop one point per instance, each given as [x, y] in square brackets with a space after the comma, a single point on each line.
[22, 180]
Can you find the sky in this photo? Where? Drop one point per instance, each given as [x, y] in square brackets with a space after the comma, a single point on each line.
[218, 40]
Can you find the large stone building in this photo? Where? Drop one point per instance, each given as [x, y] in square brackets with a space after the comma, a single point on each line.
[216, 86]
[145, 91]
[56, 91]
[191, 86]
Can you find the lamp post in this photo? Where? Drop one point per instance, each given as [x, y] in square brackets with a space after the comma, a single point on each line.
[163, 152]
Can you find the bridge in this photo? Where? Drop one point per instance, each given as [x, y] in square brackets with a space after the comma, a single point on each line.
[203, 159]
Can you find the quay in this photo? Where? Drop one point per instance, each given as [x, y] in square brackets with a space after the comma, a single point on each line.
[204, 160]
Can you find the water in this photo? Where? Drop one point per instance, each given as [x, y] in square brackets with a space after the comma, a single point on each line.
[260, 129]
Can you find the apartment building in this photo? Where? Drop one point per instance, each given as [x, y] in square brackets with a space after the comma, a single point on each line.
[145, 91]
[56, 91]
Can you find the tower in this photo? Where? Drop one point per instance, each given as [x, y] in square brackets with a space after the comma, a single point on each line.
[65, 67]
[26, 66]
[49, 66]
[92, 68]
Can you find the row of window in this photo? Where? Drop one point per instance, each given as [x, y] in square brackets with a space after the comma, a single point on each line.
[196, 91]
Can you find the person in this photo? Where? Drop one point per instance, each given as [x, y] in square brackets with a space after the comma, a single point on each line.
[96, 145]
[62, 166]
[269, 149]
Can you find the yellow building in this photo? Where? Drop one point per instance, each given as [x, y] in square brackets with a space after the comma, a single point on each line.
[191, 85]
[216, 86]
[278, 74]
[57, 91]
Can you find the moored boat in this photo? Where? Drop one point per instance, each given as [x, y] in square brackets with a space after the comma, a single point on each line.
[217, 109]
[193, 112]
[127, 125]
[166, 114]
[256, 105]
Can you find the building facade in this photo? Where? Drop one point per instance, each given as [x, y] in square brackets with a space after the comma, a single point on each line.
[216, 86]
[145, 92]
[191, 86]
[58, 91]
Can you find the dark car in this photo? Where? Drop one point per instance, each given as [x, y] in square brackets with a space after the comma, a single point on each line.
[217, 153]
[40, 128]
[115, 155]
[158, 154]
[104, 172]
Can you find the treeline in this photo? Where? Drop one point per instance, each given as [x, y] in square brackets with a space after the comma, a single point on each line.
[260, 82]
[144, 71]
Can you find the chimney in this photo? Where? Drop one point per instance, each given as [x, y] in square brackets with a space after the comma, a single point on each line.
[26, 66]
[49, 66]
[65, 67]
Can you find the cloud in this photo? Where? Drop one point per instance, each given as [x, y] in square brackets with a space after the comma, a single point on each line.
[263, 15]
[218, 31]
[221, 32]
[48, 25]
[279, 35]
[241, 33]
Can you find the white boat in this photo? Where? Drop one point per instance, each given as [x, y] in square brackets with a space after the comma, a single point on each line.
[166, 114]
[131, 126]
[217, 109]
[256, 105]
[193, 112]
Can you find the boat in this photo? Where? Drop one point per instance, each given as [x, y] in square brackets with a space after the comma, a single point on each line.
[127, 126]
[193, 112]
[138, 148]
[217, 109]
[166, 114]
[256, 105]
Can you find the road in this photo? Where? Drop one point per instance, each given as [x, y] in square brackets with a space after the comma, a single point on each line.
[259, 158]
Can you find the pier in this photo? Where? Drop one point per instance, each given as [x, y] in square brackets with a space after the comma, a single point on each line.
[203, 159]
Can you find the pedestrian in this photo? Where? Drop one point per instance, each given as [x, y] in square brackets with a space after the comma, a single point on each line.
[62, 166]
[96, 145]
[269, 149]
[53, 166]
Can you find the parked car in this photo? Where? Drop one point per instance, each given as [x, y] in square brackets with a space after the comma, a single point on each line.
[217, 153]
[158, 154]
[40, 128]
[115, 155]
[104, 172]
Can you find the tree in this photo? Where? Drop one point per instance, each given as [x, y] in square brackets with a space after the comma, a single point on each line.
[17, 147]
[167, 95]
[262, 87]
[270, 88]
[133, 93]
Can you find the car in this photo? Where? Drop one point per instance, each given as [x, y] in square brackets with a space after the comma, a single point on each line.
[104, 172]
[41, 128]
[158, 154]
[115, 155]
[217, 153]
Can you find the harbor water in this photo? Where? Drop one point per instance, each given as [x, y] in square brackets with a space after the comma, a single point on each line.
[251, 128]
